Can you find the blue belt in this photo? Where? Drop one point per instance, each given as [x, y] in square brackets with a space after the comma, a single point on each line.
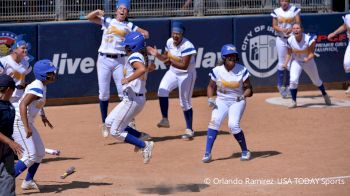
[136, 94]
[113, 56]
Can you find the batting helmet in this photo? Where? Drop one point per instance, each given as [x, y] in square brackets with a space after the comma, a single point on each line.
[135, 41]
[126, 3]
[227, 50]
[177, 26]
[42, 67]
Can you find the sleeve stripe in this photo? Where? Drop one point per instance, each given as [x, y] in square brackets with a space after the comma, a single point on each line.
[38, 90]
[188, 50]
[312, 38]
[212, 73]
[274, 14]
[1, 65]
[245, 73]
[133, 27]
[135, 58]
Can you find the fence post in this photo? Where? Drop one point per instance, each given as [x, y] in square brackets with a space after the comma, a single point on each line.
[59, 9]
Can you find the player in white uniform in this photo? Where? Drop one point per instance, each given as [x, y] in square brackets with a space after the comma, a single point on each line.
[301, 49]
[24, 133]
[232, 84]
[112, 55]
[342, 28]
[180, 55]
[282, 20]
[134, 90]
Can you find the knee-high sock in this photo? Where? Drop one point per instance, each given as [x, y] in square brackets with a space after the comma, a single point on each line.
[134, 141]
[19, 167]
[280, 77]
[189, 118]
[287, 78]
[211, 136]
[241, 140]
[322, 89]
[133, 132]
[347, 75]
[164, 105]
[104, 110]
[293, 92]
[31, 171]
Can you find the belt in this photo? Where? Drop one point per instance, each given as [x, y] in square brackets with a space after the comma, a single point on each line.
[113, 56]
[283, 37]
[136, 94]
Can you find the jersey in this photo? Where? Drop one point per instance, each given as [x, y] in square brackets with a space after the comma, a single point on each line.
[285, 19]
[36, 88]
[175, 53]
[138, 85]
[229, 83]
[113, 35]
[17, 71]
[346, 19]
[300, 49]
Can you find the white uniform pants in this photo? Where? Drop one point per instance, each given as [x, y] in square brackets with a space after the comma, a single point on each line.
[234, 110]
[33, 147]
[282, 49]
[184, 81]
[107, 68]
[347, 59]
[119, 118]
[309, 67]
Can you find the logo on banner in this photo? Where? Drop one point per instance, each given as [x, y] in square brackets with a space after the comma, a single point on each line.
[259, 52]
[7, 39]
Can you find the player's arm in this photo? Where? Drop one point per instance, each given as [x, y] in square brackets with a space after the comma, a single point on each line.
[247, 88]
[95, 16]
[275, 25]
[211, 88]
[153, 51]
[311, 52]
[140, 69]
[183, 64]
[28, 98]
[17, 149]
[143, 32]
[44, 118]
[287, 59]
[339, 30]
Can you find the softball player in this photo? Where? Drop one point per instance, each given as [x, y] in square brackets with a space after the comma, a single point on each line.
[301, 49]
[32, 101]
[232, 84]
[134, 90]
[282, 20]
[180, 55]
[342, 28]
[112, 55]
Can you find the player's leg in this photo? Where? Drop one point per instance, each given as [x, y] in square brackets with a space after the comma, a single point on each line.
[295, 71]
[347, 65]
[186, 84]
[311, 70]
[235, 114]
[167, 84]
[218, 114]
[118, 75]
[282, 74]
[104, 75]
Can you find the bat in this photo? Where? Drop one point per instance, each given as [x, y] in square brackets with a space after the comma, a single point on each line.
[68, 172]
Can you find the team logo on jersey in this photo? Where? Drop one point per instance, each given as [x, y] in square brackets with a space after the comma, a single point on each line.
[259, 52]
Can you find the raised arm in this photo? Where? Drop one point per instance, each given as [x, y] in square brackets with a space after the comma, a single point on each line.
[95, 16]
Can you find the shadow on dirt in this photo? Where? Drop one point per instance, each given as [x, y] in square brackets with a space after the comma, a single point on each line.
[255, 154]
[46, 160]
[169, 189]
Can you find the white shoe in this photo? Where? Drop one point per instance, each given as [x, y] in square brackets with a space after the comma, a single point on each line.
[143, 137]
[52, 151]
[104, 130]
[188, 134]
[327, 100]
[147, 152]
[29, 185]
[347, 91]
[164, 123]
[245, 155]
[293, 105]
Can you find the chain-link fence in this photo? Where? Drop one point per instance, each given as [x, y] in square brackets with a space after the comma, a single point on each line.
[49, 10]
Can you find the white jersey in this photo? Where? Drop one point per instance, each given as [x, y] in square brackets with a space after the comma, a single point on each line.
[17, 71]
[175, 53]
[285, 19]
[113, 35]
[300, 49]
[36, 88]
[346, 19]
[139, 84]
[229, 83]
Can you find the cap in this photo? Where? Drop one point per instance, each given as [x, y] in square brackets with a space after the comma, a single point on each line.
[126, 3]
[177, 26]
[7, 81]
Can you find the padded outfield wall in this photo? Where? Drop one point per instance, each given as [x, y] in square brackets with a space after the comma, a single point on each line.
[72, 46]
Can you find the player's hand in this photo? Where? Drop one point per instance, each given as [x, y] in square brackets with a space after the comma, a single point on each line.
[284, 66]
[240, 98]
[100, 13]
[152, 51]
[288, 31]
[306, 59]
[212, 103]
[151, 67]
[125, 81]
[331, 35]
[29, 132]
[46, 122]
[167, 62]
[17, 149]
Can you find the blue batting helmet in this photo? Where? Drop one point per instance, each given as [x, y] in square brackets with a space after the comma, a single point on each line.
[227, 50]
[42, 67]
[126, 3]
[135, 41]
[177, 26]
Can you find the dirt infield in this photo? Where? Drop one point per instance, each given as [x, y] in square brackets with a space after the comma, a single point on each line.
[294, 152]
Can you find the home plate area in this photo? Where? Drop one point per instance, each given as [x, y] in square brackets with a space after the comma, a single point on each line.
[309, 102]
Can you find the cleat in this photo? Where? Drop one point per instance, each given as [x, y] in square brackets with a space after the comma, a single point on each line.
[327, 100]
[164, 123]
[347, 91]
[56, 152]
[147, 152]
[29, 185]
[188, 134]
[245, 155]
[104, 130]
[293, 105]
[143, 137]
[206, 158]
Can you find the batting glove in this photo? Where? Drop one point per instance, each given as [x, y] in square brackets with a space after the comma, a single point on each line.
[240, 98]
[211, 103]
